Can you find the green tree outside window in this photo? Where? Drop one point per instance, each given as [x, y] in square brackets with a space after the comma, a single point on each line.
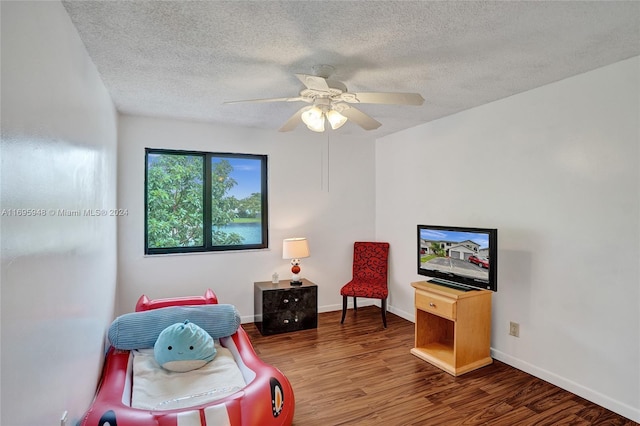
[204, 201]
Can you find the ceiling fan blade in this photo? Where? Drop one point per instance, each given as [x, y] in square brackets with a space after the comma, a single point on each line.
[360, 118]
[313, 82]
[297, 98]
[386, 98]
[293, 121]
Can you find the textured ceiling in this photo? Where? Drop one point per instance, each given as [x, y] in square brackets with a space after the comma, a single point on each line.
[184, 59]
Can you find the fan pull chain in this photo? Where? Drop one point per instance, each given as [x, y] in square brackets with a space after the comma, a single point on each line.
[324, 166]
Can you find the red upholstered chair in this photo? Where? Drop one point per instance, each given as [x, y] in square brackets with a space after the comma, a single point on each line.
[370, 264]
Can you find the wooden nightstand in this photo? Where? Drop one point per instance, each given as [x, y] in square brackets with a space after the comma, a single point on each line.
[453, 327]
[281, 307]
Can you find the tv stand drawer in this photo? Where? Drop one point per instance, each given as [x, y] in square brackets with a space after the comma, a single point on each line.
[436, 304]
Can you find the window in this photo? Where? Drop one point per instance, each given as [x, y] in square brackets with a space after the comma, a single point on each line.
[203, 201]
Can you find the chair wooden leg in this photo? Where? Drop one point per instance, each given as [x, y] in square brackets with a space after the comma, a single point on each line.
[384, 312]
[355, 306]
[344, 308]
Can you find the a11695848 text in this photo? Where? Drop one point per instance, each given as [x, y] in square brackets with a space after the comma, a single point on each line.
[63, 212]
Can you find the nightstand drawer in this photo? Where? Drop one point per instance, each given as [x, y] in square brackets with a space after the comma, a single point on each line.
[436, 304]
[283, 321]
[278, 300]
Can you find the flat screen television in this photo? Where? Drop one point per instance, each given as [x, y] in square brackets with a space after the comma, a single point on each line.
[459, 257]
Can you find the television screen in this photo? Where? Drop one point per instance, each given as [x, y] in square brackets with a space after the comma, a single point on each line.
[459, 257]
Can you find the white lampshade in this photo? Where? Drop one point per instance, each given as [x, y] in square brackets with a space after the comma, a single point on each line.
[295, 248]
[319, 127]
[314, 119]
[336, 119]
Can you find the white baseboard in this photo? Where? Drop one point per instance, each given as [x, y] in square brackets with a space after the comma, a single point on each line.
[326, 308]
[402, 314]
[569, 385]
[248, 318]
[338, 307]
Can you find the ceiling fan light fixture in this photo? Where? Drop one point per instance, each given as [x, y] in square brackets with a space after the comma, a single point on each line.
[317, 127]
[336, 119]
[314, 119]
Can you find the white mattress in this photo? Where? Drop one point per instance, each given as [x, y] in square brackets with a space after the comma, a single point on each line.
[155, 388]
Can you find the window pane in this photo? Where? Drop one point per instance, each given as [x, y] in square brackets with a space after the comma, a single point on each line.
[203, 201]
[236, 201]
[174, 200]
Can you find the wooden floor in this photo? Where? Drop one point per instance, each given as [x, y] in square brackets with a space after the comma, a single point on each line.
[362, 374]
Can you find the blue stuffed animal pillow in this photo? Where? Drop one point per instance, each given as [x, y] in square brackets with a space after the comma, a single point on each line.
[183, 347]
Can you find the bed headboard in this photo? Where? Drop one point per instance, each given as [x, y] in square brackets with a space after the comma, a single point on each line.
[146, 304]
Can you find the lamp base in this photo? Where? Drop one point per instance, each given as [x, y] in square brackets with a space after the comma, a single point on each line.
[295, 283]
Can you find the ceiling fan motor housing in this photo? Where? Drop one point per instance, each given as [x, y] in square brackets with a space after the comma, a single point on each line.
[334, 90]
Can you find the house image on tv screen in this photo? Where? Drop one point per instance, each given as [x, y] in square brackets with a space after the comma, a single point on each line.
[462, 250]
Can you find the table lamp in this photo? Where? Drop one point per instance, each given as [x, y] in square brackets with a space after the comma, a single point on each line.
[295, 249]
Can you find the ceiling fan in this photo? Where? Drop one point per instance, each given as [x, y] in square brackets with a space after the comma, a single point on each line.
[330, 99]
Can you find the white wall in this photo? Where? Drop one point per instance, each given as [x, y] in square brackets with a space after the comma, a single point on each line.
[556, 170]
[58, 273]
[321, 186]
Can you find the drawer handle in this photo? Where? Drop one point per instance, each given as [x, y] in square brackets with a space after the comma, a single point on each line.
[286, 321]
[296, 299]
[286, 300]
[432, 305]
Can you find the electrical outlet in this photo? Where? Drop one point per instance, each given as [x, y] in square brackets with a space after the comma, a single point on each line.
[514, 329]
[63, 418]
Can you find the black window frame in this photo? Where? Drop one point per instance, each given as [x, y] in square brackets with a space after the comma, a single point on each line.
[207, 203]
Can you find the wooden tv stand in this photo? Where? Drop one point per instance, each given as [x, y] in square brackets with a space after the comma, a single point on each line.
[453, 327]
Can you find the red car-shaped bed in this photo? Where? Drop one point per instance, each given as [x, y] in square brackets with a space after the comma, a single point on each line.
[264, 397]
